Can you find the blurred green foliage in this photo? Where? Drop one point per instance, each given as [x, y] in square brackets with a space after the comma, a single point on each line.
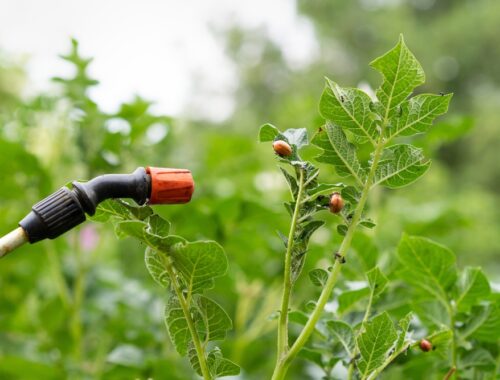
[84, 307]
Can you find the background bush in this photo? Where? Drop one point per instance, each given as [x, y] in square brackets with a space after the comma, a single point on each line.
[83, 306]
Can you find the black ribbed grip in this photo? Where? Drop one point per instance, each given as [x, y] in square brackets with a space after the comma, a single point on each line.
[53, 216]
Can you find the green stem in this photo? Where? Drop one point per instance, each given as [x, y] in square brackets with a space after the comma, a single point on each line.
[389, 360]
[454, 373]
[497, 367]
[194, 335]
[55, 268]
[282, 366]
[287, 282]
[78, 296]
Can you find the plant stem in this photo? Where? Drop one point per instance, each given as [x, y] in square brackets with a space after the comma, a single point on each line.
[55, 268]
[282, 366]
[287, 282]
[450, 373]
[454, 373]
[388, 361]
[187, 314]
[78, 296]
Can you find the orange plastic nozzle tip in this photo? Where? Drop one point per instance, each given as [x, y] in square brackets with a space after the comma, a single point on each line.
[170, 186]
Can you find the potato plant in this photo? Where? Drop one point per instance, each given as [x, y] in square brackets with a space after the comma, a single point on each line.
[412, 315]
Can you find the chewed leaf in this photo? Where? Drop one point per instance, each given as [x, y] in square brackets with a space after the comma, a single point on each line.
[403, 165]
[378, 336]
[417, 114]
[199, 263]
[297, 137]
[156, 263]
[350, 109]
[213, 322]
[268, 132]
[403, 335]
[158, 226]
[177, 325]
[111, 208]
[220, 366]
[134, 228]
[217, 364]
[339, 152]
[402, 73]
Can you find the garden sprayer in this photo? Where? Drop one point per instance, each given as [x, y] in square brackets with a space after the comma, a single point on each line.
[67, 207]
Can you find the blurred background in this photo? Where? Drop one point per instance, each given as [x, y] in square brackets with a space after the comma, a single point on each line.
[96, 87]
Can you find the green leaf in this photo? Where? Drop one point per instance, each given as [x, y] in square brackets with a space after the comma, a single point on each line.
[339, 152]
[402, 73]
[292, 183]
[350, 109]
[377, 281]
[489, 331]
[404, 325]
[350, 194]
[121, 210]
[417, 114]
[268, 132]
[217, 364]
[214, 322]
[318, 277]
[156, 263]
[297, 137]
[441, 342]
[111, 208]
[478, 315]
[429, 266]
[402, 164]
[199, 263]
[473, 288]
[378, 336]
[300, 246]
[343, 333]
[158, 226]
[314, 356]
[177, 326]
[134, 228]
[127, 355]
[348, 298]
[220, 366]
[432, 313]
[298, 317]
[478, 357]
[324, 189]
[342, 229]
[366, 250]
[367, 223]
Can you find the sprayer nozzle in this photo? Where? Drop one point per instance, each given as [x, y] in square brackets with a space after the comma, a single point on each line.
[170, 186]
[66, 208]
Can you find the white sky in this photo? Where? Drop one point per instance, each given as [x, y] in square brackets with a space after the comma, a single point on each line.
[148, 47]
